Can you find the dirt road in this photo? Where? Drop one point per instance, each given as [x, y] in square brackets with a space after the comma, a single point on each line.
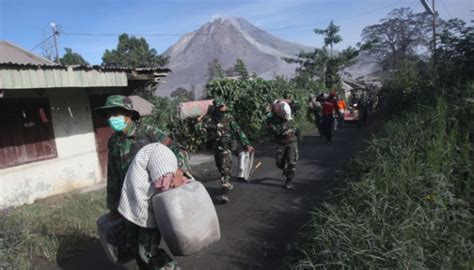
[262, 218]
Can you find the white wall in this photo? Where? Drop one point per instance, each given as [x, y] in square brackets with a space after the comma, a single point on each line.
[77, 163]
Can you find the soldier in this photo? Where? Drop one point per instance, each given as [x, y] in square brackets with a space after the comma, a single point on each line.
[314, 106]
[222, 129]
[128, 138]
[286, 136]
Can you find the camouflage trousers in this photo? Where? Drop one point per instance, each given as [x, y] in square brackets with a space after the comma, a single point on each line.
[286, 157]
[145, 246]
[223, 159]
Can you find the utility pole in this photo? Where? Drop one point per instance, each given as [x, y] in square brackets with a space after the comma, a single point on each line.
[55, 32]
[434, 28]
[431, 10]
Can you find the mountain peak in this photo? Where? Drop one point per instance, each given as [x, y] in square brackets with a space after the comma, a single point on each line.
[223, 19]
[227, 39]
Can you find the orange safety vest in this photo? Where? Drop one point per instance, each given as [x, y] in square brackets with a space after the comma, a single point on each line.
[341, 103]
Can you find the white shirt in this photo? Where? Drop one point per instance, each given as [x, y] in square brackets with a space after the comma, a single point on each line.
[150, 163]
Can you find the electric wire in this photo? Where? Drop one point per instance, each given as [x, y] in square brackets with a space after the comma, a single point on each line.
[39, 44]
[446, 9]
[243, 31]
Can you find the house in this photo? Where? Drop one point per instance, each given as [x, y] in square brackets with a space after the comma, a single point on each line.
[51, 139]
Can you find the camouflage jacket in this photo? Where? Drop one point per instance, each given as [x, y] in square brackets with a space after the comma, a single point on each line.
[122, 150]
[221, 133]
[283, 131]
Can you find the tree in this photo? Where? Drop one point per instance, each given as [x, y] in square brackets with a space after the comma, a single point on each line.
[183, 93]
[240, 68]
[215, 70]
[321, 66]
[133, 52]
[455, 54]
[399, 36]
[72, 58]
[330, 35]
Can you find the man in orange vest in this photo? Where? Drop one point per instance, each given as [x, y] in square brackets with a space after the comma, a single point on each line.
[341, 104]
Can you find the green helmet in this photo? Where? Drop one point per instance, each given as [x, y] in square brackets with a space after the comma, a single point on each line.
[218, 102]
[118, 101]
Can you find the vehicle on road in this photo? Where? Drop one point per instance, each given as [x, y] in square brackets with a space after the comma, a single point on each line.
[352, 114]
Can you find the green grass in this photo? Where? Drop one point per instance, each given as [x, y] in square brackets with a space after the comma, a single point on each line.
[52, 229]
[406, 204]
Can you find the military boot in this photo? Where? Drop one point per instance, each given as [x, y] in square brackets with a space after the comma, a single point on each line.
[226, 188]
[287, 180]
[288, 184]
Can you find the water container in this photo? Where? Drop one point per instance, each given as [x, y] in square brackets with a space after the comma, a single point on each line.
[193, 109]
[245, 165]
[187, 218]
[113, 237]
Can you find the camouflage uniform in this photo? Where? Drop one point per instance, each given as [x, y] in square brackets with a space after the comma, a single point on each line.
[144, 242]
[221, 135]
[122, 150]
[286, 136]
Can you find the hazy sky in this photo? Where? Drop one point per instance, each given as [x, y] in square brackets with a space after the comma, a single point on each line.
[26, 22]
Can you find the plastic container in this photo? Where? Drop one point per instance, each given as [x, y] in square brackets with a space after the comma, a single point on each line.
[245, 165]
[282, 109]
[113, 237]
[187, 218]
[193, 109]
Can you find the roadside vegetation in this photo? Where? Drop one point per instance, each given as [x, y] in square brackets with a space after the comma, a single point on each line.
[407, 199]
[50, 230]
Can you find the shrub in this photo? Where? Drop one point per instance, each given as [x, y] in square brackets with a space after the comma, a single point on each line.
[249, 100]
[407, 203]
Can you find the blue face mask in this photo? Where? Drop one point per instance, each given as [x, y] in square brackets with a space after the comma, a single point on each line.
[117, 123]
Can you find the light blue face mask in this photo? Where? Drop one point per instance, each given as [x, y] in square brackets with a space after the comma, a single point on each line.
[117, 123]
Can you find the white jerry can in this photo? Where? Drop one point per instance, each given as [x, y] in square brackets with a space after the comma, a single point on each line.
[113, 237]
[187, 218]
[245, 165]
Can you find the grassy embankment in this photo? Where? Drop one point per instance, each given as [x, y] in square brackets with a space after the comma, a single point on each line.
[407, 201]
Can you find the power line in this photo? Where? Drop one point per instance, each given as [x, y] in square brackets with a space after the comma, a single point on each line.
[446, 9]
[39, 44]
[247, 31]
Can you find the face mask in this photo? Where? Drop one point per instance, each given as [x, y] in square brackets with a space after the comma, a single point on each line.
[117, 123]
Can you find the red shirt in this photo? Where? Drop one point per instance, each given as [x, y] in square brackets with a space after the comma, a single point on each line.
[329, 106]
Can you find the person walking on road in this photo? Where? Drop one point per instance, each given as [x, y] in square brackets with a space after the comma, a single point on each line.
[341, 104]
[153, 170]
[330, 108]
[221, 129]
[315, 107]
[364, 110]
[128, 138]
[280, 124]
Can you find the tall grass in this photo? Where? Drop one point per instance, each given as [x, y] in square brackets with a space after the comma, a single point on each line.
[407, 203]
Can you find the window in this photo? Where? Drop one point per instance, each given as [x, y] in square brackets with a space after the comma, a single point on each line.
[26, 131]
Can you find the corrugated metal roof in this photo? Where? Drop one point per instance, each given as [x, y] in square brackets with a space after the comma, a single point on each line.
[158, 70]
[10, 53]
[27, 78]
[20, 69]
[138, 70]
[142, 106]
